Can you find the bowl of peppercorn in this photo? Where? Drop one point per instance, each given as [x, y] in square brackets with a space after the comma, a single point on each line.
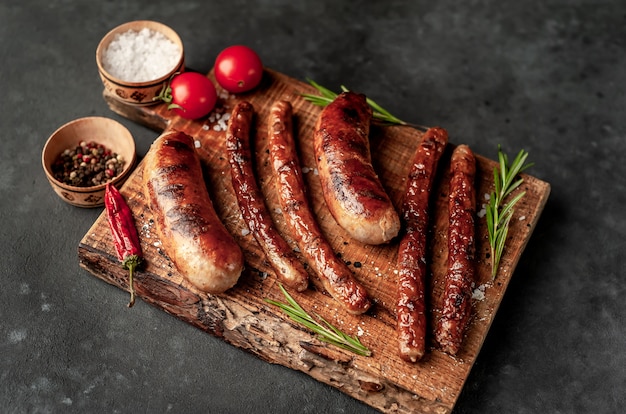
[83, 155]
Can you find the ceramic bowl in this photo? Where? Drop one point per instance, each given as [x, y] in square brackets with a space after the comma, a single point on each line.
[137, 93]
[105, 131]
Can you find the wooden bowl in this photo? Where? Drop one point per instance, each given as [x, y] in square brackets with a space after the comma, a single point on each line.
[105, 131]
[137, 93]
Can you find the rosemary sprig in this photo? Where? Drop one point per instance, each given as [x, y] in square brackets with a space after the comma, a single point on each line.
[325, 331]
[498, 213]
[379, 114]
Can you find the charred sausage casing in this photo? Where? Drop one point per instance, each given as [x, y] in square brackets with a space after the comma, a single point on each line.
[251, 202]
[351, 188]
[334, 274]
[412, 251]
[459, 280]
[191, 233]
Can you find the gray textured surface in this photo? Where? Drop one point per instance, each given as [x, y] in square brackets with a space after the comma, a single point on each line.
[547, 76]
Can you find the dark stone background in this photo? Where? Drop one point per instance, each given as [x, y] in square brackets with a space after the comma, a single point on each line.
[547, 76]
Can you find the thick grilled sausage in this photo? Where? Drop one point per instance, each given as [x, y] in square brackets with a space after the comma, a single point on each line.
[351, 188]
[191, 233]
[457, 305]
[337, 279]
[251, 202]
[412, 258]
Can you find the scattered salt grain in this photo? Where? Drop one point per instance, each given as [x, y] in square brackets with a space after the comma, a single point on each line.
[197, 144]
[245, 232]
[482, 212]
[522, 218]
[140, 56]
[479, 293]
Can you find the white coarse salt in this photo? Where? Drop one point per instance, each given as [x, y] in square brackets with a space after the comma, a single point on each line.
[140, 56]
[479, 293]
[482, 212]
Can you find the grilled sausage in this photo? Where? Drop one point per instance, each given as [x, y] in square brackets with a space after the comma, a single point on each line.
[351, 188]
[457, 306]
[283, 260]
[190, 230]
[337, 279]
[412, 258]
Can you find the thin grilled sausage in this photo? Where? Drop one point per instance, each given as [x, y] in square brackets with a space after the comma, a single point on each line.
[191, 233]
[350, 185]
[412, 257]
[251, 202]
[457, 305]
[337, 279]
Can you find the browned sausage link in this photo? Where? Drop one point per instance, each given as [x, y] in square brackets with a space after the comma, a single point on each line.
[288, 268]
[350, 185]
[333, 272]
[412, 258]
[190, 230]
[457, 306]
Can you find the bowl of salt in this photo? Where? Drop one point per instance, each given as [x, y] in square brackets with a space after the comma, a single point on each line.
[137, 59]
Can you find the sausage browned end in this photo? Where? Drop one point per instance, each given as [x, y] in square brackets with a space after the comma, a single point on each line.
[191, 233]
[412, 251]
[351, 187]
[337, 279]
[457, 306]
[251, 202]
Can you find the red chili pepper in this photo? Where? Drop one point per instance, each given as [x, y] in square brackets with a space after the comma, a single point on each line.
[124, 233]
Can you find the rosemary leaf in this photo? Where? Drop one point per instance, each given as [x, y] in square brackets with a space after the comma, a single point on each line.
[499, 213]
[379, 113]
[325, 331]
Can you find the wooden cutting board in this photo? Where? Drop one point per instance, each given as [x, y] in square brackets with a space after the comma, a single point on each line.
[242, 318]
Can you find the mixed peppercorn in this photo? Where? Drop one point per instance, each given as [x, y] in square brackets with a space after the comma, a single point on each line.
[87, 164]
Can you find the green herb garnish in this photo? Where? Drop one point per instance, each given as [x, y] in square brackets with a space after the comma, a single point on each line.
[499, 213]
[379, 113]
[325, 331]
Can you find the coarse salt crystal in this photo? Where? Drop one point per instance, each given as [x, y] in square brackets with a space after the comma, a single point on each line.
[482, 212]
[479, 293]
[140, 56]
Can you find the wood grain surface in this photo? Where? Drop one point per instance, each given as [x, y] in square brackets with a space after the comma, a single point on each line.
[242, 318]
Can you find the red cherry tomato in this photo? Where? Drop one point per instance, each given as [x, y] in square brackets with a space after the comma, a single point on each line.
[238, 69]
[193, 95]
